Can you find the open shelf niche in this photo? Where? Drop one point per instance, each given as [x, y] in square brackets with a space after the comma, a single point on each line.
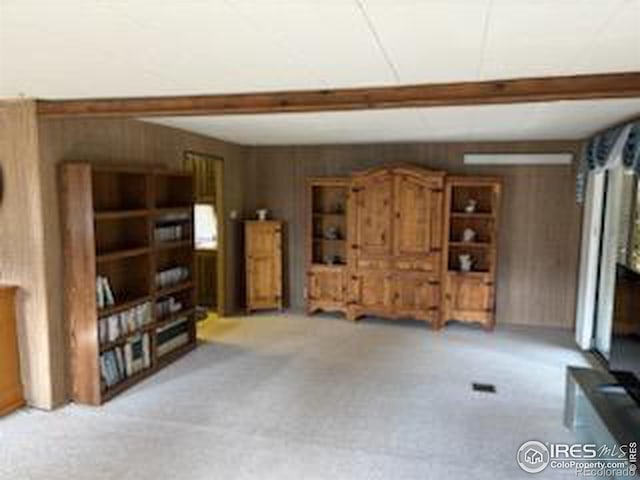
[472, 208]
[125, 324]
[329, 224]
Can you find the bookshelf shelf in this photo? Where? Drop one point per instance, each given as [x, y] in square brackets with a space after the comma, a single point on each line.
[173, 210]
[122, 306]
[111, 218]
[472, 273]
[470, 244]
[166, 319]
[321, 239]
[176, 244]
[122, 339]
[478, 215]
[174, 355]
[163, 292]
[120, 214]
[122, 254]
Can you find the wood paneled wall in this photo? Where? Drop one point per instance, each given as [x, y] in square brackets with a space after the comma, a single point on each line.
[131, 142]
[23, 239]
[540, 226]
[539, 238]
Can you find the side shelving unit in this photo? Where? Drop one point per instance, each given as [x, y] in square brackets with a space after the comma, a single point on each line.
[129, 292]
[470, 255]
[327, 244]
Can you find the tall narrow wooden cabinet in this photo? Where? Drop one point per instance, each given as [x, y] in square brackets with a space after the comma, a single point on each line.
[129, 290]
[326, 228]
[263, 262]
[11, 396]
[472, 205]
[395, 235]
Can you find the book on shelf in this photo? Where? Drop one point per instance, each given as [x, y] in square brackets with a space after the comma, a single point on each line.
[137, 354]
[104, 293]
[110, 370]
[119, 324]
[169, 233]
[120, 363]
[173, 335]
[172, 276]
[173, 218]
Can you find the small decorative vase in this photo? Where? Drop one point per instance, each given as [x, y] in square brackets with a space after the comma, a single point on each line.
[262, 214]
[471, 205]
[332, 260]
[468, 235]
[466, 262]
[332, 233]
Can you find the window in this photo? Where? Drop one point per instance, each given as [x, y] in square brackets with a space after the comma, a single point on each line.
[206, 227]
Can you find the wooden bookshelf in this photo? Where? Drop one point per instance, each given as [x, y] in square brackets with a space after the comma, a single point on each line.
[111, 215]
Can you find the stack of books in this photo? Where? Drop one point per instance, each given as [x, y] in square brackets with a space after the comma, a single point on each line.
[171, 227]
[104, 294]
[172, 218]
[120, 363]
[171, 276]
[115, 326]
[169, 233]
[172, 336]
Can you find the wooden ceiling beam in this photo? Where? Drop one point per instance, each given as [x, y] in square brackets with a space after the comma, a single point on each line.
[545, 89]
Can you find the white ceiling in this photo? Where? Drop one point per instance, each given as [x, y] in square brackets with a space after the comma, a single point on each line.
[97, 48]
[539, 121]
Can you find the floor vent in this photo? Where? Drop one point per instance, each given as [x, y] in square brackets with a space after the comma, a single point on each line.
[483, 387]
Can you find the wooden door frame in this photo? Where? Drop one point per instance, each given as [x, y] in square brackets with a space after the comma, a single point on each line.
[218, 162]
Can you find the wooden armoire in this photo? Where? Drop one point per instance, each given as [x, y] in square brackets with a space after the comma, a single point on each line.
[379, 244]
[395, 244]
[263, 263]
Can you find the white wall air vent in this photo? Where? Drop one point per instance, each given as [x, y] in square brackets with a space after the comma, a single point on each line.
[518, 159]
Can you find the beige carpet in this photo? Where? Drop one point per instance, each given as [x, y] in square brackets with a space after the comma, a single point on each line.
[292, 397]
